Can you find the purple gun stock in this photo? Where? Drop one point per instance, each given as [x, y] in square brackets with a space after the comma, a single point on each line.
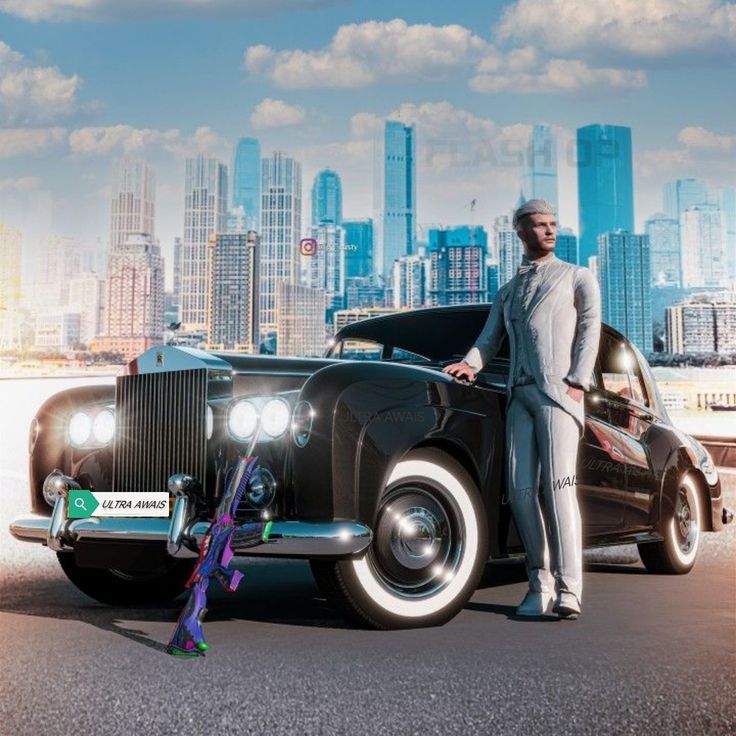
[215, 556]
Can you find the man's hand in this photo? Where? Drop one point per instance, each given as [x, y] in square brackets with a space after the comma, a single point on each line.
[460, 370]
[575, 393]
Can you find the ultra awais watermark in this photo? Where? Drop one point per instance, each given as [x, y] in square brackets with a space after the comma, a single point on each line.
[567, 481]
[392, 415]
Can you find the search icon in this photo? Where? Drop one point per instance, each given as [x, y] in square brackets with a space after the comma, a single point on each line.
[79, 503]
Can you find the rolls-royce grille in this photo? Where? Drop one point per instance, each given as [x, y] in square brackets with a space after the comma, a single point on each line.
[160, 429]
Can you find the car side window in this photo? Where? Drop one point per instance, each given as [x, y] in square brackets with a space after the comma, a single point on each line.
[620, 372]
[638, 393]
[614, 377]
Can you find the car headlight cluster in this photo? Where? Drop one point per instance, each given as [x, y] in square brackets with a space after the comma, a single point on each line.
[91, 427]
[272, 414]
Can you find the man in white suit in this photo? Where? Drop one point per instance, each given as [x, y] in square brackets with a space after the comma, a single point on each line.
[551, 311]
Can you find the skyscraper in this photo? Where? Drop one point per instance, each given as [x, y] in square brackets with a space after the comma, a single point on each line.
[566, 247]
[704, 261]
[605, 184]
[177, 276]
[281, 227]
[134, 297]
[396, 196]
[301, 320]
[205, 212]
[233, 291]
[247, 181]
[358, 247]
[508, 247]
[325, 269]
[728, 211]
[410, 281]
[10, 278]
[133, 208]
[86, 296]
[664, 246]
[458, 269]
[680, 194]
[625, 281]
[327, 198]
[59, 261]
[539, 180]
[703, 324]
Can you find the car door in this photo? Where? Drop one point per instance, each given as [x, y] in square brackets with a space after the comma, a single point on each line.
[601, 471]
[630, 418]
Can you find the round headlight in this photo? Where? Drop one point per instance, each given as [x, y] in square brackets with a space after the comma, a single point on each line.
[103, 427]
[301, 423]
[275, 417]
[209, 422]
[242, 419]
[80, 428]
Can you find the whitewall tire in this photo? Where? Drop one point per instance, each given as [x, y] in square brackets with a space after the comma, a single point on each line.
[429, 548]
[682, 531]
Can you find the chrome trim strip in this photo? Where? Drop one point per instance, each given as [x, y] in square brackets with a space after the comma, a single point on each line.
[272, 373]
[305, 539]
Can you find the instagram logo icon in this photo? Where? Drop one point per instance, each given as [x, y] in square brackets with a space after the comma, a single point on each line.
[307, 246]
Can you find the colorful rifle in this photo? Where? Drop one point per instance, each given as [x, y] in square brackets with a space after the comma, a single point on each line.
[215, 555]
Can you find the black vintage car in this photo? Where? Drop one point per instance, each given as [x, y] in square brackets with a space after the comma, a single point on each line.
[383, 471]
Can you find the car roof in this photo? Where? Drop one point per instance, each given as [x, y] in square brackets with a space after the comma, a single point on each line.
[434, 332]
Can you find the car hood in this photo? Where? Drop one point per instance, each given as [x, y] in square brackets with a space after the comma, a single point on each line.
[166, 358]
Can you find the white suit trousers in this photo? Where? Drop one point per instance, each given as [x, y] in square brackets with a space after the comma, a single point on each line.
[542, 436]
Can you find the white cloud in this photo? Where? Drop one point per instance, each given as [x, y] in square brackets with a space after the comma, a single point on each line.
[33, 92]
[366, 53]
[363, 53]
[117, 139]
[22, 184]
[24, 141]
[204, 140]
[270, 113]
[702, 138]
[433, 118]
[103, 10]
[702, 153]
[126, 138]
[521, 70]
[638, 29]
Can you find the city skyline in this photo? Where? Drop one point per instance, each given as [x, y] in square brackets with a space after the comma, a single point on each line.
[448, 71]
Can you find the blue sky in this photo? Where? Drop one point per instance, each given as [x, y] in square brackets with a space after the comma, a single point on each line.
[85, 81]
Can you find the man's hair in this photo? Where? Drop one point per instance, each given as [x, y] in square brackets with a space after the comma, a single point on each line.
[532, 207]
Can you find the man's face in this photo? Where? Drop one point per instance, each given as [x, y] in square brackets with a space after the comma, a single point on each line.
[539, 233]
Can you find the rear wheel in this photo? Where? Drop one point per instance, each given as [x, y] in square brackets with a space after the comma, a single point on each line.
[676, 553]
[429, 549]
[127, 588]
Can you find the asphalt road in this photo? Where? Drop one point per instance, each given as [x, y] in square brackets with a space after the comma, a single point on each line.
[650, 654]
[654, 655]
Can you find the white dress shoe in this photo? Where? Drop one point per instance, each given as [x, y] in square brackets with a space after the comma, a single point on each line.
[535, 603]
[566, 606]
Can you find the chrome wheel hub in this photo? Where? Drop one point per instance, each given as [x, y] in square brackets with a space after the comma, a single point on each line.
[417, 544]
[685, 523]
[417, 536]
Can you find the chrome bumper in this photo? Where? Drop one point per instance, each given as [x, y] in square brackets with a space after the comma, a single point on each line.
[298, 539]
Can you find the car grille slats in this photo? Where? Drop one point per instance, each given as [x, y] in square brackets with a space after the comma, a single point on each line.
[160, 429]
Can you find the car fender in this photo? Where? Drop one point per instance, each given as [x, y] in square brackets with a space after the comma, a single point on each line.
[368, 415]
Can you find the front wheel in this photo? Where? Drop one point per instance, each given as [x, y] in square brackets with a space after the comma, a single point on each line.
[676, 553]
[429, 549]
[121, 588]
